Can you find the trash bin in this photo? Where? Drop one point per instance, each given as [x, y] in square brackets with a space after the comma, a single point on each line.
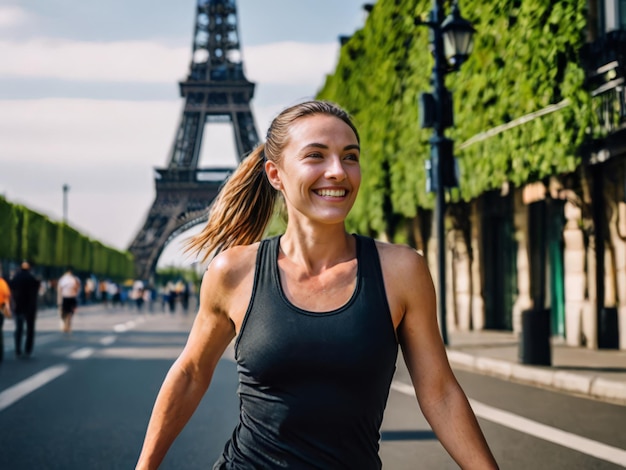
[534, 345]
[608, 329]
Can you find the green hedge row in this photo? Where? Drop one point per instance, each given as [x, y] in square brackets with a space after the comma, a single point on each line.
[525, 59]
[25, 234]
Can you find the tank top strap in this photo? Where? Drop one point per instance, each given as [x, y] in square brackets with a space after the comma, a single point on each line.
[266, 264]
[370, 269]
[262, 286]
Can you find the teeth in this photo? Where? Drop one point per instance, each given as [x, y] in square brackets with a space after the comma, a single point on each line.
[332, 192]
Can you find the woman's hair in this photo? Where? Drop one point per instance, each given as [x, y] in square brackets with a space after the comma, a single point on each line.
[244, 205]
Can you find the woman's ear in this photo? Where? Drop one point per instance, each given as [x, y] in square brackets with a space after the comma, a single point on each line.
[271, 170]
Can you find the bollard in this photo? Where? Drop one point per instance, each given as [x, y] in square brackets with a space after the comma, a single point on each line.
[608, 329]
[534, 345]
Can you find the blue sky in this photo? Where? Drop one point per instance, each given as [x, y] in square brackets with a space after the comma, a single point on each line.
[89, 96]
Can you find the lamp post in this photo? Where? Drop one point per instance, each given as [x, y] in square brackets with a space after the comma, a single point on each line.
[66, 188]
[451, 41]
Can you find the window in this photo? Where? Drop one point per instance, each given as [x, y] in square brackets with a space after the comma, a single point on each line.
[611, 15]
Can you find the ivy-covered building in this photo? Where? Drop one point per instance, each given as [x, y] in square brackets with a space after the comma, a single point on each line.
[539, 218]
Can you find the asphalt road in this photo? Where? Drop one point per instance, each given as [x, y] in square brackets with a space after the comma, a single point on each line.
[83, 402]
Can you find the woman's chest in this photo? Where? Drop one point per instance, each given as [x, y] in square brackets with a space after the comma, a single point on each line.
[321, 292]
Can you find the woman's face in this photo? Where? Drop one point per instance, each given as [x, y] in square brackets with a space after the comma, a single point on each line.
[319, 172]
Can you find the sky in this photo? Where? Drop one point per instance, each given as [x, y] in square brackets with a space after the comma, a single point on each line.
[89, 97]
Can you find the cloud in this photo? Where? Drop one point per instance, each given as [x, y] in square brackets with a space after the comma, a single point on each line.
[70, 130]
[152, 62]
[290, 62]
[123, 61]
[12, 16]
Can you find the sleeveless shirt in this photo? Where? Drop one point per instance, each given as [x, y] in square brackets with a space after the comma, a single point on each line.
[312, 386]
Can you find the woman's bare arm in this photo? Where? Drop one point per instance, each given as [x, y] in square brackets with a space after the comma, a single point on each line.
[440, 396]
[190, 376]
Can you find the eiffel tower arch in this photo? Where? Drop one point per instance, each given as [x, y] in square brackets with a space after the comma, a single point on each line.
[215, 91]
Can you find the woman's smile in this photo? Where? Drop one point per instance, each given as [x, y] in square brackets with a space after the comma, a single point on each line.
[331, 193]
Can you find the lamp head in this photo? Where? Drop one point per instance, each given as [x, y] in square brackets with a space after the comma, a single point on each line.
[458, 38]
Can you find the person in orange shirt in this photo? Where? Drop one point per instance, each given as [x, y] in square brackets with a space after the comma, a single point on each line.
[5, 308]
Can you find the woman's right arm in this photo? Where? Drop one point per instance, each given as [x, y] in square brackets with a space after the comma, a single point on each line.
[190, 376]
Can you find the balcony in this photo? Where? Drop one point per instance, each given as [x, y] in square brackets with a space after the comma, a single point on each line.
[604, 61]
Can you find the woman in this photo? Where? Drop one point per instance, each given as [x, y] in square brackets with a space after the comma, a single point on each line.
[317, 315]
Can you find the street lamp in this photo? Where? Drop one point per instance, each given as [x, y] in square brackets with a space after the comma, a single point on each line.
[66, 188]
[451, 42]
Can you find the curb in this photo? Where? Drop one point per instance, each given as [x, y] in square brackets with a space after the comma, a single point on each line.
[590, 385]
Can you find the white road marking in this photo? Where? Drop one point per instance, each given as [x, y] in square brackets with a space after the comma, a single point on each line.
[541, 431]
[129, 325]
[23, 388]
[82, 353]
[108, 340]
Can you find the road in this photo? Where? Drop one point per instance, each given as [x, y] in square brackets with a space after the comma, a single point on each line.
[83, 402]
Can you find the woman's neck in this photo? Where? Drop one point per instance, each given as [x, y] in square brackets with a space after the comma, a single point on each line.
[317, 250]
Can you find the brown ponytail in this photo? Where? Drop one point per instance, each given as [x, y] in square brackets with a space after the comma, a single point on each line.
[241, 211]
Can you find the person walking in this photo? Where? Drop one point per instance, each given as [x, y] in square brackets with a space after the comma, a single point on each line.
[317, 315]
[68, 289]
[5, 309]
[25, 291]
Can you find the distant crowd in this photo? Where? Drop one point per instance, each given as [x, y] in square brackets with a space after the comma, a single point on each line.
[23, 292]
[136, 293]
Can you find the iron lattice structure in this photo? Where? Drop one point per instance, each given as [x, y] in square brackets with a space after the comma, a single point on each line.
[215, 91]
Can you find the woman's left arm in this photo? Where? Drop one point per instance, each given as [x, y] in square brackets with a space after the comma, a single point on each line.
[439, 395]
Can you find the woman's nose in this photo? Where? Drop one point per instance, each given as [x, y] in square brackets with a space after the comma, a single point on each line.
[335, 169]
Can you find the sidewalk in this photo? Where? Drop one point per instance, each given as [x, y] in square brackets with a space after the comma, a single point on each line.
[593, 373]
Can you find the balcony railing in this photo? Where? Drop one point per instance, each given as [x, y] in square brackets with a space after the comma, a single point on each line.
[604, 61]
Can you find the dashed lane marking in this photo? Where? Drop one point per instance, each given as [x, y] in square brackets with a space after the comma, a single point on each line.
[82, 353]
[129, 325]
[547, 433]
[108, 340]
[23, 388]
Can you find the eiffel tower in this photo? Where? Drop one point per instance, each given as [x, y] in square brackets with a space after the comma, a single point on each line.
[215, 91]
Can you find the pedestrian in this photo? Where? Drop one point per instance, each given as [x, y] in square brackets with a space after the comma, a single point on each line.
[68, 289]
[102, 289]
[184, 297]
[25, 291]
[5, 309]
[171, 294]
[90, 287]
[137, 294]
[317, 315]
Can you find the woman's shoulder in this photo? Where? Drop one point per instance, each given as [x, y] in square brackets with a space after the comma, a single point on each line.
[401, 262]
[406, 275]
[233, 264]
[398, 253]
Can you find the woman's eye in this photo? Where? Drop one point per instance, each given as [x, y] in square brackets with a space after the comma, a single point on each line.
[352, 156]
[315, 155]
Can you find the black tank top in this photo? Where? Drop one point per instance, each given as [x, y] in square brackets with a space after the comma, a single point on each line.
[312, 386]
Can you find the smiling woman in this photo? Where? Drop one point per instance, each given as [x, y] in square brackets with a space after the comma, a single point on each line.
[317, 314]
